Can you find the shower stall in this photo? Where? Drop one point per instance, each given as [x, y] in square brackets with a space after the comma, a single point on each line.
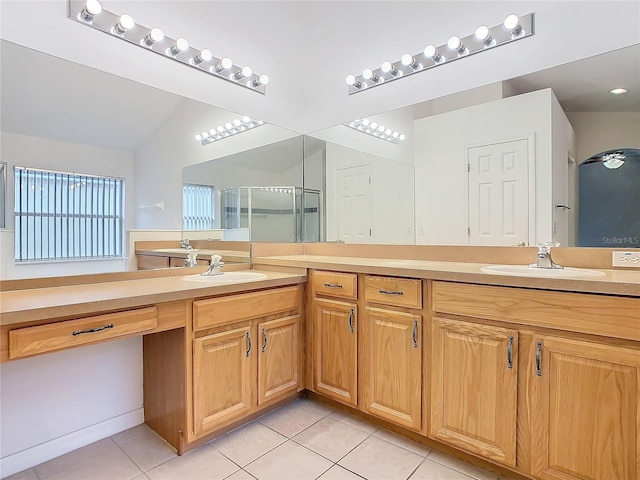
[273, 214]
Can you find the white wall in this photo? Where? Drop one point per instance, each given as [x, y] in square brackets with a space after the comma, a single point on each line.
[440, 162]
[37, 152]
[391, 192]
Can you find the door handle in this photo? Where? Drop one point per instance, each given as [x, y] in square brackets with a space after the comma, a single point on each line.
[414, 333]
[264, 340]
[391, 292]
[539, 358]
[92, 330]
[332, 285]
[248, 343]
[510, 352]
[350, 320]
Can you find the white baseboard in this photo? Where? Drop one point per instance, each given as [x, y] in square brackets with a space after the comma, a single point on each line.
[59, 446]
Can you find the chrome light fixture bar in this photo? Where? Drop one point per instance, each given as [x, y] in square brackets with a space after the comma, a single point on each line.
[91, 13]
[513, 28]
[364, 125]
[227, 130]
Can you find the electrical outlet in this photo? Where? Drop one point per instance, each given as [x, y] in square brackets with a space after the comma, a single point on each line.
[626, 259]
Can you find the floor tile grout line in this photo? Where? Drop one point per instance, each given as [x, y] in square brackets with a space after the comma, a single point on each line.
[455, 468]
[133, 461]
[416, 469]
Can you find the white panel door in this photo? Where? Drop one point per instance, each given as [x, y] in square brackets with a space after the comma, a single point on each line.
[354, 204]
[499, 193]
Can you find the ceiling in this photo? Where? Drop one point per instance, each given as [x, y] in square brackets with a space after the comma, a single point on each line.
[74, 103]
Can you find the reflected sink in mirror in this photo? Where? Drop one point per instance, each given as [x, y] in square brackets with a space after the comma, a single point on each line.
[527, 271]
[226, 277]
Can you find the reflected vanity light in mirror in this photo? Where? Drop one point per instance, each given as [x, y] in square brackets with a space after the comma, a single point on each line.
[229, 129]
[364, 125]
[513, 28]
[92, 14]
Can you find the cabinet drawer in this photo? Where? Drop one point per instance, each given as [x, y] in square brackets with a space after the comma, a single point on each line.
[234, 308]
[606, 315]
[399, 292]
[344, 285]
[24, 342]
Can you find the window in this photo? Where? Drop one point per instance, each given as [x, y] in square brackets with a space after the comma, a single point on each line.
[197, 207]
[64, 216]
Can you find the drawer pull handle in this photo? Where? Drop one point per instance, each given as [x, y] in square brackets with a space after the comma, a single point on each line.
[414, 334]
[332, 285]
[351, 320]
[539, 358]
[248, 344]
[510, 352]
[264, 340]
[391, 292]
[92, 330]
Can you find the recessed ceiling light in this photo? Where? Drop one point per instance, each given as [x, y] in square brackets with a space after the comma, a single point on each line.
[618, 91]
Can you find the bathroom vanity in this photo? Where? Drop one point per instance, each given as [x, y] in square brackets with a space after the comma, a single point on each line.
[499, 370]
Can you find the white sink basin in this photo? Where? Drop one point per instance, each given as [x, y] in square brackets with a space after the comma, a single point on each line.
[226, 277]
[526, 271]
[176, 250]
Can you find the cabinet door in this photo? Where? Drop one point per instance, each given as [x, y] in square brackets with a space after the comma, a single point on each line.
[586, 411]
[392, 366]
[222, 377]
[474, 388]
[278, 358]
[336, 350]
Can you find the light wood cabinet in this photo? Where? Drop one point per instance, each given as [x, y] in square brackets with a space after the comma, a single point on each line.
[585, 400]
[474, 387]
[335, 344]
[391, 365]
[278, 358]
[222, 377]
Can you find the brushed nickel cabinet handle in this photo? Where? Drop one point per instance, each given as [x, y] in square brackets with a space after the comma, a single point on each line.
[332, 285]
[264, 340]
[539, 358]
[92, 330]
[391, 292]
[414, 334]
[510, 352]
[351, 313]
[248, 343]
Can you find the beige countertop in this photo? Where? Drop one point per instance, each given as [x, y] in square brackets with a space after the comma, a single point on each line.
[616, 282]
[34, 304]
[227, 255]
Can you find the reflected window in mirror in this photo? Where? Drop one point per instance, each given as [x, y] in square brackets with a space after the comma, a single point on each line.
[198, 207]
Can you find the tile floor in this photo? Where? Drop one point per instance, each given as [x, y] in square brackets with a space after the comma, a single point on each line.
[302, 440]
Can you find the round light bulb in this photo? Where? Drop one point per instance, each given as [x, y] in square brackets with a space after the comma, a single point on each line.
[395, 134]
[482, 33]
[246, 119]
[213, 132]
[155, 35]
[367, 74]
[351, 80]
[205, 55]
[387, 132]
[381, 128]
[93, 7]
[512, 22]
[401, 137]
[182, 44]
[228, 126]
[220, 129]
[430, 51]
[205, 135]
[454, 43]
[366, 122]
[407, 59]
[237, 122]
[386, 67]
[198, 138]
[125, 22]
[263, 79]
[246, 71]
[374, 125]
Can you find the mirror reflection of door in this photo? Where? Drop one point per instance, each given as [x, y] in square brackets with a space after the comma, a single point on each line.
[498, 193]
[354, 204]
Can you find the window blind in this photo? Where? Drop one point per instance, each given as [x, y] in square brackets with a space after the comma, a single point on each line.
[197, 207]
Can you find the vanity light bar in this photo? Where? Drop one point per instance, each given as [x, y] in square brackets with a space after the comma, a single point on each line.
[364, 125]
[513, 28]
[227, 130]
[91, 13]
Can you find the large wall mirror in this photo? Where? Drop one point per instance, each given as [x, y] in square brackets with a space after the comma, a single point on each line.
[496, 165]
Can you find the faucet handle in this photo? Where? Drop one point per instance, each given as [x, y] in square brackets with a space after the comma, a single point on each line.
[545, 247]
[215, 259]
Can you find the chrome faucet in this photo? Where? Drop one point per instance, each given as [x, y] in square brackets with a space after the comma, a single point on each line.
[184, 243]
[214, 267]
[544, 256]
[191, 260]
